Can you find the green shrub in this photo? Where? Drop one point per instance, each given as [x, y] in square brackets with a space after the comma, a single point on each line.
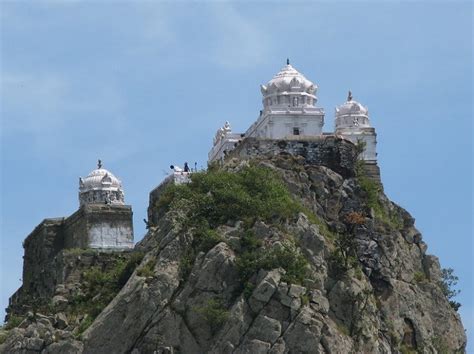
[85, 323]
[439, 343]
[3, 336]
[186, 263]
[249, 241]
[372, 192]
[419, 277]
[404, 349]
[80, 251]
[217, 197]
[127, 270]
[214, 313]
[323, 228]
[249, 287]
[286, 257]
[342, 328]
[148, 269]
[13, 321]
[100, 286]
[448, 282]
[304, 299]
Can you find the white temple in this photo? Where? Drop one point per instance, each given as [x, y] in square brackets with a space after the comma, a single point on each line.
[100, 187]
[352, 122]
[290, 112]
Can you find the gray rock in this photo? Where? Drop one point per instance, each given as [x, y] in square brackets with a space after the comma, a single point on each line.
[60, 302]
[265, 329]
[65, 347]
[265, 289]
[254, 346]
[35, 344]
[336, 311]
[60, 320]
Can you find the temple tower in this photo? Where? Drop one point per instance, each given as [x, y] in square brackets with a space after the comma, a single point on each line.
[103, 220]
[352, 122]
[289, 108]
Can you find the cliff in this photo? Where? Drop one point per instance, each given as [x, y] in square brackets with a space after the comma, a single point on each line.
[271, 254]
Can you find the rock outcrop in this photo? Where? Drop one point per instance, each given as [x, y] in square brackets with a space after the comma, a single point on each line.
[344, 272]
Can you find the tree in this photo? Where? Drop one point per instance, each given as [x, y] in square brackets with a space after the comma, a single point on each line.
[448, 283]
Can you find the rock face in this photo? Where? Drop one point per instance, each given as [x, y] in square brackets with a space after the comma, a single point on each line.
[369, 286]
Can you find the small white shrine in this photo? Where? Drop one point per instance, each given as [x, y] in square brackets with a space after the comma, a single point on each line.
[290, 113]
[352, 123]
[100, 187]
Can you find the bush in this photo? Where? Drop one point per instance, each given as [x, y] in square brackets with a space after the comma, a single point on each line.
[85, 323]
[372, 191]
[448, 282]
[217, 197]
[13, 321]
[101, 286]
[214, 313]
[148, 269]
[419, 277]
[286, 257]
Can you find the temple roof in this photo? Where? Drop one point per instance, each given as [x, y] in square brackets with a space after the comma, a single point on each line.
[99, 179]
[351, 107]
[289, 79]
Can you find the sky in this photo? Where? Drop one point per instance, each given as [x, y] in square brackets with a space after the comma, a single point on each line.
[142, 85]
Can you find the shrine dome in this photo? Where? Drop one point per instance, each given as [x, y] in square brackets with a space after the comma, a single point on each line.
[351, 115]
[100, 187]
[351, 107]
[288, 79]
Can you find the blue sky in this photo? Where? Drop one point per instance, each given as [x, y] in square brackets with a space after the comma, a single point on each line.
[143, 85]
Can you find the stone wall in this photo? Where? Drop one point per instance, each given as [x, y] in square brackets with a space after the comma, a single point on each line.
[53, 244]
[41, 246]
[60, 275]
[153, 215]
[330, 151]
[100, 226]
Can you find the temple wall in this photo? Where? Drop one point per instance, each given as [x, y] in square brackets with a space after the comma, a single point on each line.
[41, 246]
[100, 226]
[59, 250]
[326, 150]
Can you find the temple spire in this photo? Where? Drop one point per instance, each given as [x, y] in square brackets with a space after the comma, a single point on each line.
[287, 61]
[349, 96]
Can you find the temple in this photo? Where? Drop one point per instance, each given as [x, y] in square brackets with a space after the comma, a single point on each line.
[290, 114]
[103, 221]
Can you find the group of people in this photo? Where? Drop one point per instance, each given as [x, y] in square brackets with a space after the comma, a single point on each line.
[184, 169]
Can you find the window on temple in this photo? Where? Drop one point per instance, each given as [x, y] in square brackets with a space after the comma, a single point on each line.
[296, 131]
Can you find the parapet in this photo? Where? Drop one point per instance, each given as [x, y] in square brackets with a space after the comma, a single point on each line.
[331, 151]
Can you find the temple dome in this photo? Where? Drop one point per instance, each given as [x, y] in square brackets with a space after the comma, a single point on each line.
[288, 79]
[100, 179]
[100, 186]
[351, 115]
[351, 107]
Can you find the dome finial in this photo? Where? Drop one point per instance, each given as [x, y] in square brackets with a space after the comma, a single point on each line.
[99, 163]
[349, 96]
[287, 61]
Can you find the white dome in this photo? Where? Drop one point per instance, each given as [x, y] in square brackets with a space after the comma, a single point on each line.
[289, 79]
[351, 107]
[99, 179]
[352, 116]
[100, 186]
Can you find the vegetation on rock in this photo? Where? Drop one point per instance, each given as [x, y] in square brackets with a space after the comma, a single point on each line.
[218, 197]
[448, 282]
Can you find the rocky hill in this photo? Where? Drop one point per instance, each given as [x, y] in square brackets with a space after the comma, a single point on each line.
[268, 255]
